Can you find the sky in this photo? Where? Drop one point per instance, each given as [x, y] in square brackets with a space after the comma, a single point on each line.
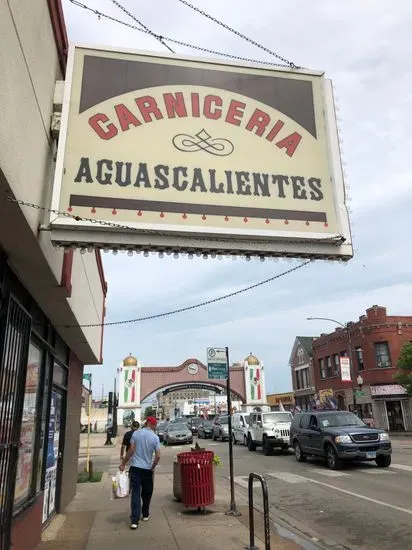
[365, 48]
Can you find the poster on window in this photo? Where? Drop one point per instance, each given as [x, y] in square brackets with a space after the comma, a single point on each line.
[52, 454]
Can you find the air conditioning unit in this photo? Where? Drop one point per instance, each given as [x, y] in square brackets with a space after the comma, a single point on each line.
[382, 364]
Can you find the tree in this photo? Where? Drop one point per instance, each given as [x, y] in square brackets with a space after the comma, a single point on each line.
[404, 376]
[149, 411]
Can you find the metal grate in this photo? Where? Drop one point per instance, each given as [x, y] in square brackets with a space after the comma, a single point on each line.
[15, 327]
[285, 433]
[360, 438]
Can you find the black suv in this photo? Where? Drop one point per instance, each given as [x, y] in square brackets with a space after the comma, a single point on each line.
[338, 436]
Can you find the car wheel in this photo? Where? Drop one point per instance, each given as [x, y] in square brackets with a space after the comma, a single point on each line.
[250, 444]
[266, 448]
[234, 439]
[383, 461]
[332, 459]
[300, 457]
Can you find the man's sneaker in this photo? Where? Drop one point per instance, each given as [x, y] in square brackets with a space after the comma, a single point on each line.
[133, 526]
[146, 519]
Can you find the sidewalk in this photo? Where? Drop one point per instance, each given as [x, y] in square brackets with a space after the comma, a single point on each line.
[95, 522]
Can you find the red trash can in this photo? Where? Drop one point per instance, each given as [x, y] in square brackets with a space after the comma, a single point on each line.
[198, 489]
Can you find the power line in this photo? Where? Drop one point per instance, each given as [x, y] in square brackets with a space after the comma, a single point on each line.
[237, 33]
[159, 38]
[101, 15]
[192, 307]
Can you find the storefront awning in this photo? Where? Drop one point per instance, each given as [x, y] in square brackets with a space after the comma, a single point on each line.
[389, 389]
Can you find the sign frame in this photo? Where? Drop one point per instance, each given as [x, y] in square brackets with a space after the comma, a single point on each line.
[85, 232]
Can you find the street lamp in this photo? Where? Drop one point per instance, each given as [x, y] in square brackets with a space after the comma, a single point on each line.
[359, 379]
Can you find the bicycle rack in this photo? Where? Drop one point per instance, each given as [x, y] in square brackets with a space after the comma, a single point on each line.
[264, 486]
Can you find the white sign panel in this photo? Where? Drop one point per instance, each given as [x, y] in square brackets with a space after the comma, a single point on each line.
[345, 369]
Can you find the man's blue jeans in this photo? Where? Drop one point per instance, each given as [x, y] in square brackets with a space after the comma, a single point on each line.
[141, 482]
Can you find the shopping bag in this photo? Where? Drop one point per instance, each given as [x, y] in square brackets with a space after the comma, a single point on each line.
[121, 485]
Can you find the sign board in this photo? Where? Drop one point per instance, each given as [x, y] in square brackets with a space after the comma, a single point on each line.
[388, 389]
[183, 154]
[217, 366]
[194, 386]
[345, 369]
[324, 395]
[359, 393]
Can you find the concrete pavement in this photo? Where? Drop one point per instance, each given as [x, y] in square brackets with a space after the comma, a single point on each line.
[95, 522]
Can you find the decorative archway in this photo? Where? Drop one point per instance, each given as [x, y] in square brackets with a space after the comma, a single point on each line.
[137, 382]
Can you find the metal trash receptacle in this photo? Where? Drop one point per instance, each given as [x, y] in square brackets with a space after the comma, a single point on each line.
[197, 479]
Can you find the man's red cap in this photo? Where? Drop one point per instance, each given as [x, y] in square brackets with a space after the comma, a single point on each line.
[151, 420]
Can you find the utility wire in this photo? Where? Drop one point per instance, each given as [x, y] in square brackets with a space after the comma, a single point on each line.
[159, 38]
[101, 15]
[195, 306]
[237, 33]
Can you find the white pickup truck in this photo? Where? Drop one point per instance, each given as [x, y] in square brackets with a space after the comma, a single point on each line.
[269, 430]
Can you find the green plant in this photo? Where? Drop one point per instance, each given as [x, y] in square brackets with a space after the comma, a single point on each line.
[83, 477]
[404, 376]
[217, 461]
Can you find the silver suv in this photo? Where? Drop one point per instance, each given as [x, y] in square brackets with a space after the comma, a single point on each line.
[269, 430]
[220, 428]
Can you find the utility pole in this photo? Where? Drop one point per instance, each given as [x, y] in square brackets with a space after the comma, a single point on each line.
[233, 511]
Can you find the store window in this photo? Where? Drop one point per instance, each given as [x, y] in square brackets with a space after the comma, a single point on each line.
[322, 369]
[359, 359]
[24, 477]
[336, 362]
[383, 359]
[329, 372]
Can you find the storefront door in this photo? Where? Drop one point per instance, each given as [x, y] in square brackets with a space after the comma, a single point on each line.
[54, 455]
[395, 416]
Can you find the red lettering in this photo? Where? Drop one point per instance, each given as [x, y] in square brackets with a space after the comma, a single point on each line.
[96, 122]
[290, 143]
[214, 114]
[175, 105]
[147, 106]
[260, 120]
[235, 110]
[275, 130]
[195, 105]
[126, 117]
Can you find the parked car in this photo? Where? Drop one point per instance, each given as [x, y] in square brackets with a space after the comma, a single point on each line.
[240, 424]
[205, 429]
[221, 428]
[160, 429]
[194, 424]
[338, 436]
[269, 430]
[177, 433]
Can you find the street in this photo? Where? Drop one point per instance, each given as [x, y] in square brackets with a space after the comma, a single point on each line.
[362, 507]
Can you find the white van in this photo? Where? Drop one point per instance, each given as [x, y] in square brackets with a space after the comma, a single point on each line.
[240, 424]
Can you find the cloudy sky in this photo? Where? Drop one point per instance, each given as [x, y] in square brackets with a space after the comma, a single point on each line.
[365, 48]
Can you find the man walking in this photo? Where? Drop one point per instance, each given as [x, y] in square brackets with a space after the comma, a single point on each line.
[127, 437]
[143, 445]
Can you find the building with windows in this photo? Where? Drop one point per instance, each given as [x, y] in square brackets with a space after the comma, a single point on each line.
[373, 344]
[301, 366]
[46, 295]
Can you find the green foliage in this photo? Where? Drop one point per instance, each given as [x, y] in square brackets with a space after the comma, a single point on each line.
[83, 477]
[217, 461]
[404, 376]
[149, 412]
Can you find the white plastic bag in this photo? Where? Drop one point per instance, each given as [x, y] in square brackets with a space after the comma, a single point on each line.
[121, 485]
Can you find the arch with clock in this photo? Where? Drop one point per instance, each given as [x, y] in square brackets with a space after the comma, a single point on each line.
[137, 382]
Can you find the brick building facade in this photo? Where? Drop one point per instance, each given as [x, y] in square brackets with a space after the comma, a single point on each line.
[375, 342]
[301, 365]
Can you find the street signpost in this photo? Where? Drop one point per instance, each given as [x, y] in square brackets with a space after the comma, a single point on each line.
[218, 369]
[217, 364]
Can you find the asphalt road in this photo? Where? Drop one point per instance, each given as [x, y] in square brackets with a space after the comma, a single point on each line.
[362, 507]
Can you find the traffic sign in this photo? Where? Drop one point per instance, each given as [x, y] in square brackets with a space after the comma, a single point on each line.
[217, 365]
[359, 393]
